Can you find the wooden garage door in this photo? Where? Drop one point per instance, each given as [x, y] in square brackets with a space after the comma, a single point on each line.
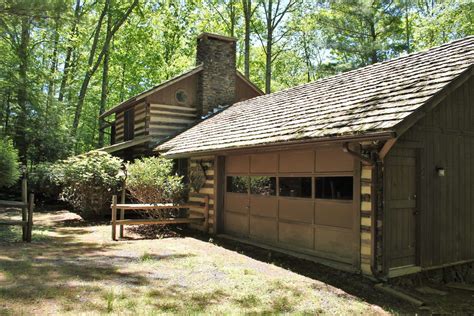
[294, 200]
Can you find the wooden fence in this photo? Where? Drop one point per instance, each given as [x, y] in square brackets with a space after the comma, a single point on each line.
[27, 206]
[150, 207]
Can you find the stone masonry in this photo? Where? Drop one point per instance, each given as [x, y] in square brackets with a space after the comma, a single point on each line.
[216, 83]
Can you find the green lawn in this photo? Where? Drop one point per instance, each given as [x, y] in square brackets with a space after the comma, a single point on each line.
[72, 267]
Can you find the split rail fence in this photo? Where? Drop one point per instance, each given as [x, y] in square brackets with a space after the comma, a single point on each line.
[26, 205]
[152, 207]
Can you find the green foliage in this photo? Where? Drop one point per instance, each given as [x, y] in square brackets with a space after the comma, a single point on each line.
[39, 94]
[152, 180]
[43, 182]
[9, 166]
[88, 182]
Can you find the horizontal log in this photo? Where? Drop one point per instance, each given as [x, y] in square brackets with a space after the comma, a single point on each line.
[172, 107]
[151, 206]
[160, 221]
[12, 222]
[13, 203]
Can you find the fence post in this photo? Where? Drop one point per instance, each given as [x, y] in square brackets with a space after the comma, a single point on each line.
[24, 199]
[122, 211]
[114, 216]
[31, 206]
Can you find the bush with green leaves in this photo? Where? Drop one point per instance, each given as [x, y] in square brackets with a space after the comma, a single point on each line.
[88, 182]
[152, 180]
[42, 180]
[9, 166]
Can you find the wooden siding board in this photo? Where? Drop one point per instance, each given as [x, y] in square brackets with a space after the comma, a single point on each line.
[446, 211]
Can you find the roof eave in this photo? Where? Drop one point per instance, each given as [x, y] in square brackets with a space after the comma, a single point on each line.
[381, 135]
[139, 97]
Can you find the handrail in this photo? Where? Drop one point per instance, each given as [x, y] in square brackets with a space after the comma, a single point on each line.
[158, 206]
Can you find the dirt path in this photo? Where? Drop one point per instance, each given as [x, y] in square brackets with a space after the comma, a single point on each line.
[74, 267]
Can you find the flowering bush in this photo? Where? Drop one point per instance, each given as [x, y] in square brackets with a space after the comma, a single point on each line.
[88, 182]
[152, 180]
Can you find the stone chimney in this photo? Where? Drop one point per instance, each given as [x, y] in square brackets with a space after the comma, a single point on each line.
[216, 83]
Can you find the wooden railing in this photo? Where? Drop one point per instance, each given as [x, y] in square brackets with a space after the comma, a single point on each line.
[27, 206]
[151, 207]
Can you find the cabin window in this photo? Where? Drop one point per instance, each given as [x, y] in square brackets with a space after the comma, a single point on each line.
[128, 124]
[334, 188]
[237, 184]
[181, 96]
[296, 186]
[263, 185]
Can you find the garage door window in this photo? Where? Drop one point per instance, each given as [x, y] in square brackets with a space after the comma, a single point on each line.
[263, 185]
[334, 188]
[238, 184]
[296, 186]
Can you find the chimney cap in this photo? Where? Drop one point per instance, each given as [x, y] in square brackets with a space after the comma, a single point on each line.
[217, 36]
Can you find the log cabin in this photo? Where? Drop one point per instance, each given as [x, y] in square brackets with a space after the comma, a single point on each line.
[140, 123]
[370, 171]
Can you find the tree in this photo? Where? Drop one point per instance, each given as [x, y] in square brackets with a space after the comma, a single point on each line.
[248, 11]
[274, 12]
[362, 32]
[95, 61]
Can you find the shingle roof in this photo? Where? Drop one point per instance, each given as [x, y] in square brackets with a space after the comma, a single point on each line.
[127, 103]
[371, 99]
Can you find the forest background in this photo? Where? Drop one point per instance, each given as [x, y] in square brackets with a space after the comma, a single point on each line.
[64, 62]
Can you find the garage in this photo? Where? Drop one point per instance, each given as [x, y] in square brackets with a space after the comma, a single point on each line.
[302, 201]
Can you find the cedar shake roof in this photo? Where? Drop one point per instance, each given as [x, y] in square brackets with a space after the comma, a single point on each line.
[364, 101]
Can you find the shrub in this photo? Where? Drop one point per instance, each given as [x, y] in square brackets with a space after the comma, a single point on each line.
[152, 180]
[88, 182]
[9, 166]
[43, 182]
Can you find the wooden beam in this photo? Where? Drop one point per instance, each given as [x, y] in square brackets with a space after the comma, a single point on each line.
[165, 221]
[114, 216]
[31, 206]
[24, 209]
[17, 204]
[386, 148]
[13, 223]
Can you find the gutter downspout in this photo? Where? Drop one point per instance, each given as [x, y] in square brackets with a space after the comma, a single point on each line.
[373, 164]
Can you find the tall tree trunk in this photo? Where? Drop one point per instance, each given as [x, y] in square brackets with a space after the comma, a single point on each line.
[22, 91]
[69, 52]
[93, 62]
[105, 84]
[6, 112]
[373, 53]
[53, 67]
[407, 27]
[268, 62]
[247, 8]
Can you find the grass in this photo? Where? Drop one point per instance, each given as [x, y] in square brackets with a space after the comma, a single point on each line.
[78, 269]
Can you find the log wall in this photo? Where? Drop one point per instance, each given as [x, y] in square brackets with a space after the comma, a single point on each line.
[197, 198]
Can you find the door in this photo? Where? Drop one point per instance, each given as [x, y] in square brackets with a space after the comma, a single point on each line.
[401, 208]
[293, 200]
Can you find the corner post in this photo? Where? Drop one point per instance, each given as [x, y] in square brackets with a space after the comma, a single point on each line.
[24, 199]
[114, 216]
[122, 212]
[31, 206]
